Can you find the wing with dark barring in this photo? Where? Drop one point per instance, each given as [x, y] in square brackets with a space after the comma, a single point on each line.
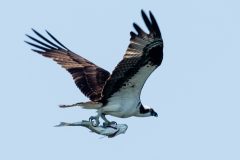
[144, 48]
[88, 77]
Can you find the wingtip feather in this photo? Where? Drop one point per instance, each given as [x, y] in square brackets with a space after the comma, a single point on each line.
[55, 39]
[155, 25]
[147, 21]
[38, 51]
[138, 29]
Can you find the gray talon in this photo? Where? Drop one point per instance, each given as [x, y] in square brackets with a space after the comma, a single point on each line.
[114, 123]
[107, 124]
[94, 121]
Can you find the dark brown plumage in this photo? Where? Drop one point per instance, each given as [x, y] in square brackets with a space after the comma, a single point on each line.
[143, 48]
[89, 78]
[95, 82]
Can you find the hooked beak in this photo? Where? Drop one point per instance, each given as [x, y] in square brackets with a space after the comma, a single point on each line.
[155, 114]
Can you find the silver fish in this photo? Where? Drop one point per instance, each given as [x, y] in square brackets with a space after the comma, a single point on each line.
[109, 131]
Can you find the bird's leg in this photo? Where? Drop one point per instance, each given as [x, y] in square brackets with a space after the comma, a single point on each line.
[106, 122]
[95, 120]
[72, 105]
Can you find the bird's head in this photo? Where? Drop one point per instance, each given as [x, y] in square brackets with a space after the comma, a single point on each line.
[146, 111]
[153, 113]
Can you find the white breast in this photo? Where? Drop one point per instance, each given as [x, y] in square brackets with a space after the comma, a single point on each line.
[124, 102]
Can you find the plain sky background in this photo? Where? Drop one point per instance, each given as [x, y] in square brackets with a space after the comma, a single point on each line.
[195, 91]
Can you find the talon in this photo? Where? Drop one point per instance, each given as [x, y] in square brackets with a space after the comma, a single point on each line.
[105, 124]
[114, 123]
[94, 121]
[109, 124]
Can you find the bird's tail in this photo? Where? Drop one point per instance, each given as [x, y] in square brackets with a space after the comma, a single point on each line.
[85, 105]
[91, 105]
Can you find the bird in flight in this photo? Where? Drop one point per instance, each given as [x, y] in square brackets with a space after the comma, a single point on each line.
[116, 94]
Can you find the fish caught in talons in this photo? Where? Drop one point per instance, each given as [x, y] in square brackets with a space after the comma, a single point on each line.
[109, 131]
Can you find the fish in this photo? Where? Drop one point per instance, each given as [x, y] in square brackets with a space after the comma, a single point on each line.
[109, 131]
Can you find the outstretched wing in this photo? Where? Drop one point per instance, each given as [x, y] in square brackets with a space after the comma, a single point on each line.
[143, 56]
[89, 78]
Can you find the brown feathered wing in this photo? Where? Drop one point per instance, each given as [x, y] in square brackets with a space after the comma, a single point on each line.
[145, 50]
[89, 78]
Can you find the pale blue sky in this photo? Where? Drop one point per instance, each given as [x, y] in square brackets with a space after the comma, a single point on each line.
[195, 91]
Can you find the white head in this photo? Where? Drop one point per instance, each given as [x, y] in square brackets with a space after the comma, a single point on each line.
[146, 111]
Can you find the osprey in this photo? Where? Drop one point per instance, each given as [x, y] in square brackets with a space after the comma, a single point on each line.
[116, 94]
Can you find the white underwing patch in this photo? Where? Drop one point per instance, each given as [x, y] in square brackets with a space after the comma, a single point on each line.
[123, 103]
